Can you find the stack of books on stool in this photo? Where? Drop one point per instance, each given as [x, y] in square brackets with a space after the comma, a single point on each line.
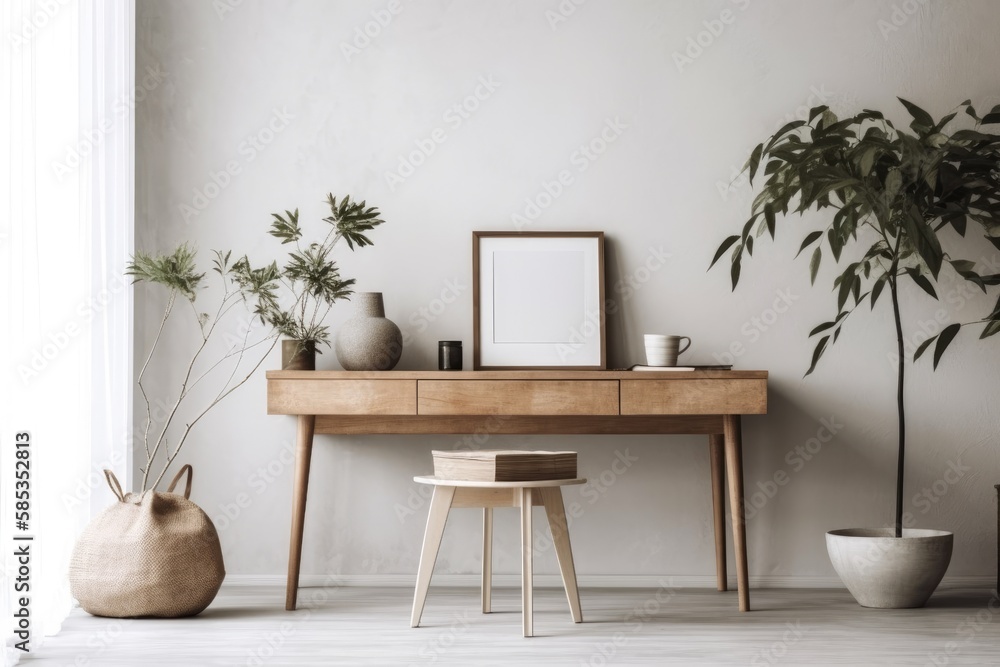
[503, 466]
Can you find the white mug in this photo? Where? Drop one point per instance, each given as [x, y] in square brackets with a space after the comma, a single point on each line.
[663, 350]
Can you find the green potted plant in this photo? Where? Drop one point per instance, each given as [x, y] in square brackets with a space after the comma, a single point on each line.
[296, 297]
[153, 553]
[901, 194]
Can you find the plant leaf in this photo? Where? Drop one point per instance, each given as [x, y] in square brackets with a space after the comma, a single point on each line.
[755, 160]
[726, 245]
[921, 280]
[924, 239]
[923, 347]
[769, 218]
[814, 265]
[893, 184]
[848, 278]
[816, 111]
[878, 287]
[920, 117]
[944, 340]
[817, 353]
[990, 329]
[787, 127]
[821, 328]
[867, 160]
[809, 240]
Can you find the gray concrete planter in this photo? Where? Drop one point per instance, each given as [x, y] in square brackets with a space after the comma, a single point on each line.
[886, 572]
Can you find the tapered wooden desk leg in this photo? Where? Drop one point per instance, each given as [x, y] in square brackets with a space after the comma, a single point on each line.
[303, 457]
[487, 559]
[718, 457]
[437, 516]
[734, 471]
[527, 606]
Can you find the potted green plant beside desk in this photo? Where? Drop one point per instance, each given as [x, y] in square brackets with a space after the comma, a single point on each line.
[902, 194]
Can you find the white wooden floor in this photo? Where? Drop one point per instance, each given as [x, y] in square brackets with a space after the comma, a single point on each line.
[354, 625]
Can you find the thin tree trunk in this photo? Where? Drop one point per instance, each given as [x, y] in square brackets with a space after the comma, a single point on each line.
[899, 407]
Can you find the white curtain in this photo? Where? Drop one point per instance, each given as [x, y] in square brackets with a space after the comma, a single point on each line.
[66, 187]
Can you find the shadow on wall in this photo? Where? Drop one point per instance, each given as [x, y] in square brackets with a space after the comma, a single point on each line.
[614, 313]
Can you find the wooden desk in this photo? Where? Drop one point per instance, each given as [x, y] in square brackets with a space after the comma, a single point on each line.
[528, 402]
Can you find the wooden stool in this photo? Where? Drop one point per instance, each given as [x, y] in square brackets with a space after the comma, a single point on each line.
[450, 493]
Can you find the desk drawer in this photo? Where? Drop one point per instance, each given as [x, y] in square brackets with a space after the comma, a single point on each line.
[694, 397]
[517, 397]
[342, 397]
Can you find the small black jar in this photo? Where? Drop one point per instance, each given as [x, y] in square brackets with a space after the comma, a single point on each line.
[449, 355]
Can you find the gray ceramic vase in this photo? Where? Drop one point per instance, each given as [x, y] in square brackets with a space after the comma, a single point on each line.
[368, 341]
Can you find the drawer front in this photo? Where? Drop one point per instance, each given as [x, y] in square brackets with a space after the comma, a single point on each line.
[342, 397]
[694, 397]
[517, 397]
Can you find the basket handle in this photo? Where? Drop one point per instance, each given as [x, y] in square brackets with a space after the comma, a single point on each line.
[116, 488]
[187, 487]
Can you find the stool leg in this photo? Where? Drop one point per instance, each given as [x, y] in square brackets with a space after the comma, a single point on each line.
[558, 525]
[487, 558]
[526, 548]
[436, 518]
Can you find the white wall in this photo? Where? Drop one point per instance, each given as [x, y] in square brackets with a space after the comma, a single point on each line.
[659, 188]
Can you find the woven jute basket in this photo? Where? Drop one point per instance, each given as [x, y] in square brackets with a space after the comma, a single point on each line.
[149, 554]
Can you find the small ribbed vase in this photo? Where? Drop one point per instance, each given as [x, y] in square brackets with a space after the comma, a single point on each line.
[369, 341]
